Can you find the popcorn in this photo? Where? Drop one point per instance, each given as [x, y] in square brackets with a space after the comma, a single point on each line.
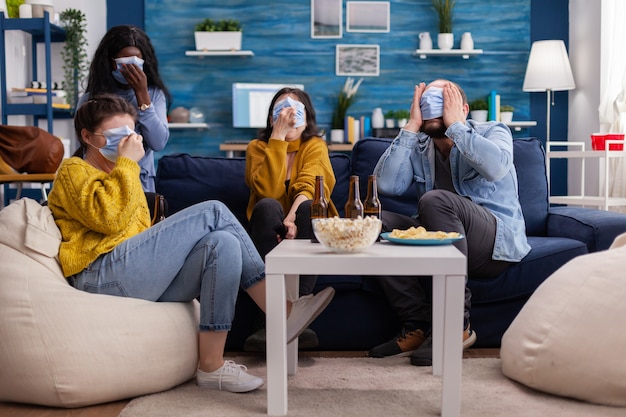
[347, 235]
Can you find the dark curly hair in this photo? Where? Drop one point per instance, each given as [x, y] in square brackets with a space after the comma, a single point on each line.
[117, 38]
[311, 125]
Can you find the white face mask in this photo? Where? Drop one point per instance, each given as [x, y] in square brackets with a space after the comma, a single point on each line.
[113, 138]
[126, 60]
[289, 102]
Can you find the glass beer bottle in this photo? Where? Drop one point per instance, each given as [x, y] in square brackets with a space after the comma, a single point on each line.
[371, 204]
[353, 207]
[319, 206]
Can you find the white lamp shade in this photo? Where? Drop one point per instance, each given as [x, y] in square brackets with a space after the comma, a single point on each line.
[548, 67]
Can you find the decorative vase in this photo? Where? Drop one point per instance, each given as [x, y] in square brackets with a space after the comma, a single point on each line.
[336, 135]
[467, 43]
[426, 43]
[218, 41]
[445, 41]
[378, 120]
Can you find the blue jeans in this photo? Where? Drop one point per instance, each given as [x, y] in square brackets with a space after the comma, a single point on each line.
[200, 252]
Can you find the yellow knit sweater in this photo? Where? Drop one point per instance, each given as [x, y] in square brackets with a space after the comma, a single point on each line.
[96, 211]
[266, 169]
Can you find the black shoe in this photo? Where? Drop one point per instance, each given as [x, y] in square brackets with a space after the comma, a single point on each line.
[404, 345]
[256, 341]
[423, 356]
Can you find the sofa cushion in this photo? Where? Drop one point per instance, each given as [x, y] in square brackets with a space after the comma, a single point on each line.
[530, 163]
[567, 339]
[63, 347]
[185, 180]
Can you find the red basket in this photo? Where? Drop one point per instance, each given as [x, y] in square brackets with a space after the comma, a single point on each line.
[598, 141]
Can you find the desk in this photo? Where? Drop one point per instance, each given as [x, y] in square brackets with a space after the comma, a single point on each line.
[292, 257]
[601, 201]
[238, 149]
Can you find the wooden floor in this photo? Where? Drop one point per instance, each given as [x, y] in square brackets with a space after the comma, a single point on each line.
[114, 409]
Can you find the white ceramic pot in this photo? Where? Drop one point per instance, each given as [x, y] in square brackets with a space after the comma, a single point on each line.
[467, 43]
[426, 44]
[218, 41]
[402, 122]
[336, 135]
[506, 116]
[445, 41]
[390, 123]
[378, 120]
[479, 115]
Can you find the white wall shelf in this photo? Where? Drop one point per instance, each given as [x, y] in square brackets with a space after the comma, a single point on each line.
[519, 125]
[199, 126]
[465, 54]
[219, 53]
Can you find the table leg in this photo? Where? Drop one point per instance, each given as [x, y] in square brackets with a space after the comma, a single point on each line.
[452, 345]
[276, 352]
[292, 282]
[439, 287]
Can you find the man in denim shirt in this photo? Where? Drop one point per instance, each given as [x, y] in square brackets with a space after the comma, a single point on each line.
[466, 183]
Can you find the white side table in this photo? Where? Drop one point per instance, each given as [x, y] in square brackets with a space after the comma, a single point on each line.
[445, 263]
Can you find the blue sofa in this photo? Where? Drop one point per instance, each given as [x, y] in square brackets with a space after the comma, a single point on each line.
[359, 317]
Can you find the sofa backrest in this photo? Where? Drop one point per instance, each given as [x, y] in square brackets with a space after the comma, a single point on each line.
[529, 160]
[185, 180]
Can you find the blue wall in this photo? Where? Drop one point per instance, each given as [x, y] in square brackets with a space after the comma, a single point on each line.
[278, 32]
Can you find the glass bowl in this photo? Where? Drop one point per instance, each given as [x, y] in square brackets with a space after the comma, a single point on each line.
[347, 235]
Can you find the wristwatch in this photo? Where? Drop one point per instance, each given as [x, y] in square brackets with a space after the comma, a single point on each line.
[145, 107]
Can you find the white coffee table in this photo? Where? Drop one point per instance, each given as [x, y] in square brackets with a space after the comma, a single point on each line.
[294, 257]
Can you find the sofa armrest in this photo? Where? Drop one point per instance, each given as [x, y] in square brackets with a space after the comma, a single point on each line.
[596, 228]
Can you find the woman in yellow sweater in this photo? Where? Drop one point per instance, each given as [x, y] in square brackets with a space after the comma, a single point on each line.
[109, 247]
[281, 166]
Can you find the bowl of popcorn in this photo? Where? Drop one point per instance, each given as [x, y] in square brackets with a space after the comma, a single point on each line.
[347, 235]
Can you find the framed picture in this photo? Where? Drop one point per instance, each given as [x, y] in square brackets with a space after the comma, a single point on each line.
[326, 18]
[361, 60]
[367, 16]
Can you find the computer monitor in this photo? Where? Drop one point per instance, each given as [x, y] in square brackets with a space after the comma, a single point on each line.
[251, 102]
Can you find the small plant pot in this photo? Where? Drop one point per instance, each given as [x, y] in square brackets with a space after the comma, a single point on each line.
[218, 41]
[337, 135]
[445, 41]
[506, 116]
[390, 123]
[479, 115]
[402, 123]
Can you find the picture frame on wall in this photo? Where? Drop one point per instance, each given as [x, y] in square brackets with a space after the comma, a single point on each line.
[367, 16]
[326, 19]
[362, 60]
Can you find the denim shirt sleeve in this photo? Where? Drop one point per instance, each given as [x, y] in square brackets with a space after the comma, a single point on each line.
[394, 169]
[488, 148]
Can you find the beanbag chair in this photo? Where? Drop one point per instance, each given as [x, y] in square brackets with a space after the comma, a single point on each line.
[63, 347]
[569, 339]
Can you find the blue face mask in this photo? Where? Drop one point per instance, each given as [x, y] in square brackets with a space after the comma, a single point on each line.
[126, 60]
[113, 137]
[431, 103]
[289, 102]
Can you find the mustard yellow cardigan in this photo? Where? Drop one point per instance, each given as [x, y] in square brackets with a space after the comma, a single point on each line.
[96, 211]
[266, 169]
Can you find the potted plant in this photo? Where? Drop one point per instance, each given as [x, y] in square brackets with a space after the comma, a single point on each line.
[74, 53]
[506, 113]
[402, 116]
[344, 100]
[390, 119]
[444, 8]
[479, 109]
[221, 35]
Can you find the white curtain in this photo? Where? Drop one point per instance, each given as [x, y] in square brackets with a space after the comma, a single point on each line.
[612, 109]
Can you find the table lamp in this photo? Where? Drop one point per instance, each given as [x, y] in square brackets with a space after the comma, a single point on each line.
[548, 70]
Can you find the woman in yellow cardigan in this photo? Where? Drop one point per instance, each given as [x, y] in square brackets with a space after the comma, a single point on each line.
[281, 166]
[109, 247]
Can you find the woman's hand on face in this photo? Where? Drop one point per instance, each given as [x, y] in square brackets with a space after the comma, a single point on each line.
[131, 147]
[135, 76]
[415, 121]
[284, 123]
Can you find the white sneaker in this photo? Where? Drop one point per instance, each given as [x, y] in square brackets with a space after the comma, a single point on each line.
[230, 377]
[306, 309]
